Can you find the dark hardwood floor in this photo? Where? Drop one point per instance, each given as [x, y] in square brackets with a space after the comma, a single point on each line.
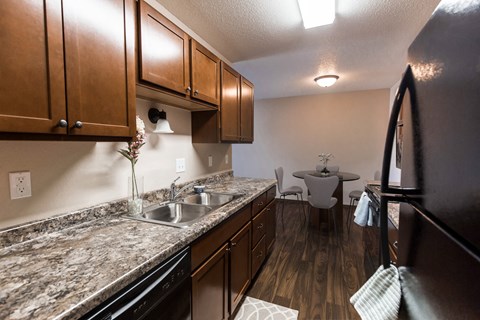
[309, 271]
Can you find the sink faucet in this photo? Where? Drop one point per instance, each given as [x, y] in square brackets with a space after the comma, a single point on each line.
[173, 189]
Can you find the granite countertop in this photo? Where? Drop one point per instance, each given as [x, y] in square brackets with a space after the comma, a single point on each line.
[65, 273]
[394, 213]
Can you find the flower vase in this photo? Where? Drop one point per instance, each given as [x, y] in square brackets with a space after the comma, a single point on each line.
[135, 193]
[325, 172]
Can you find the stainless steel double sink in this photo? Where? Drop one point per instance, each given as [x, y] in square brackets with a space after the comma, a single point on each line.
[182, 214]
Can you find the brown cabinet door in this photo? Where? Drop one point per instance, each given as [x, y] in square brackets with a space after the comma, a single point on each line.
[210, 288]
[271, 225]
[246, 111]
[258, 256]
[32, 86]
[258, 227]
[205, 74]
[240, 276]
[230, 105]
[163, 51]
[100, 75]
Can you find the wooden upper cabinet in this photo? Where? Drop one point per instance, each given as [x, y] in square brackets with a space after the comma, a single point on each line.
[234, 123]
[230, 104]
[205, 74]
[246, 111]
[170, 61]
[68, 67]
[163, 51]
[100, 74]
[32, 85]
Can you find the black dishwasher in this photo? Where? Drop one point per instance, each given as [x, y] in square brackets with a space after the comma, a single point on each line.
[164, 293]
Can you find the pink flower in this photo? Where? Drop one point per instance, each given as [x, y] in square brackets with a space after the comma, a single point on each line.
[133, 148]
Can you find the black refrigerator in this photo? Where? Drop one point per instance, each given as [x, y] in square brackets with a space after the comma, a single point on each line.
[435, 122]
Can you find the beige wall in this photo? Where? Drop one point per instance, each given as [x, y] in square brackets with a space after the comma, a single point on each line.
[73, 175]
[292, 132]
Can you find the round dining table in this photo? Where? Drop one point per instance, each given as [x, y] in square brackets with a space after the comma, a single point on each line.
[338, 193]
[342, 176]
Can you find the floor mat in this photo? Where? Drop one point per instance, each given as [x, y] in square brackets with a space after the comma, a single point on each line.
[254, 309]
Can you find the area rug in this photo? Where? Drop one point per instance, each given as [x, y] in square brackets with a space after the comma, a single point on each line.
[254, 309]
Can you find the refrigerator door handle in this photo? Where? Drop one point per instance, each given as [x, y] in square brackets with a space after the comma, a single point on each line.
[406, 83]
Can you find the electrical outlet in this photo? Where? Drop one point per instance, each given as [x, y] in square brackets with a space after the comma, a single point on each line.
[210, 161]
[226, 159]
[20, 185]
[180, 165]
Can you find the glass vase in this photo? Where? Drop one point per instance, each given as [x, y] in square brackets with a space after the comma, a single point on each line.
[135, 194]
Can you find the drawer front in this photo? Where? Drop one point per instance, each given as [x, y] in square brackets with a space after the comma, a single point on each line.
[271, 222]
[259, 203]
[258, 227]
[271, 193]
[258, 256]
[211, 241]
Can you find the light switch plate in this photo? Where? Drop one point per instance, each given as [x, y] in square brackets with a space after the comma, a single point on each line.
[210, 161]
[226, 159]
[180, 165]
[20, 185]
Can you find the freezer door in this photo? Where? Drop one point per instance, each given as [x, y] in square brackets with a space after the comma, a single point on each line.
[445, 117]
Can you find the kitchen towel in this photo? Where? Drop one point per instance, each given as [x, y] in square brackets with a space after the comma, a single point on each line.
[379, 298]
[363, 214]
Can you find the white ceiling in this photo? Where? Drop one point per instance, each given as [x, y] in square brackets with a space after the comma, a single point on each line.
[265, 39]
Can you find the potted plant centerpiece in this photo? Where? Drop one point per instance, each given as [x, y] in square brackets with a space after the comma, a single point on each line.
[324, 158]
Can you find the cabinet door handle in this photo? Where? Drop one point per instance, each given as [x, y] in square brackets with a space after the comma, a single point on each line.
[234, 244]
[62, 123]
[260, 226]
[260, 204]
[195, 92]
[78, 124]
[188, 89]
[260, 254]
[395, 244]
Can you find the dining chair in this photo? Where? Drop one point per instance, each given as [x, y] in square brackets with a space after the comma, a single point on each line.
[290, 191]
[332, 169]
[321, 192]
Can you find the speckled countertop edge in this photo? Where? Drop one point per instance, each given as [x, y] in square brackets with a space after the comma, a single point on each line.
[86, 263]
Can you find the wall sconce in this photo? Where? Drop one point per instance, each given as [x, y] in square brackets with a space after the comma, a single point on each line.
[160, 118]
[326, 81]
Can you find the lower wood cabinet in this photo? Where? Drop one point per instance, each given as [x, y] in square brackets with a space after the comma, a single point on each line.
[225, 259]
[258, 256]
[271, 224]
[240, 275]
[210, 287]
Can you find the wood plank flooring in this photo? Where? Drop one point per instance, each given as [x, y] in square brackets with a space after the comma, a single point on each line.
[309, 270]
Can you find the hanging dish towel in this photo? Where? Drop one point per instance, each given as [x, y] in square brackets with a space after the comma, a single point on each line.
[379, 298]
[363, 214]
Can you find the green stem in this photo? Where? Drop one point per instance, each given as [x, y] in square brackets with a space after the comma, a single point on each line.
[134, 183]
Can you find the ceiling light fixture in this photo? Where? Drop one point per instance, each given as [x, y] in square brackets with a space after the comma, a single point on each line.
[317, 12]
[326, 81]
[160, 118]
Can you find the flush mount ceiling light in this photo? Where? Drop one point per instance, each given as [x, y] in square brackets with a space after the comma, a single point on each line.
[317, 12]
[160, 118]
[326, 81]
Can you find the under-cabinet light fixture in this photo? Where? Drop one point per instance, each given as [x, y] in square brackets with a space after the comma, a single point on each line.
[326, 81]
[160, 118]
[317, 13]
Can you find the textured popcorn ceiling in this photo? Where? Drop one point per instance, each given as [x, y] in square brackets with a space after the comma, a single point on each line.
[265, 39]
